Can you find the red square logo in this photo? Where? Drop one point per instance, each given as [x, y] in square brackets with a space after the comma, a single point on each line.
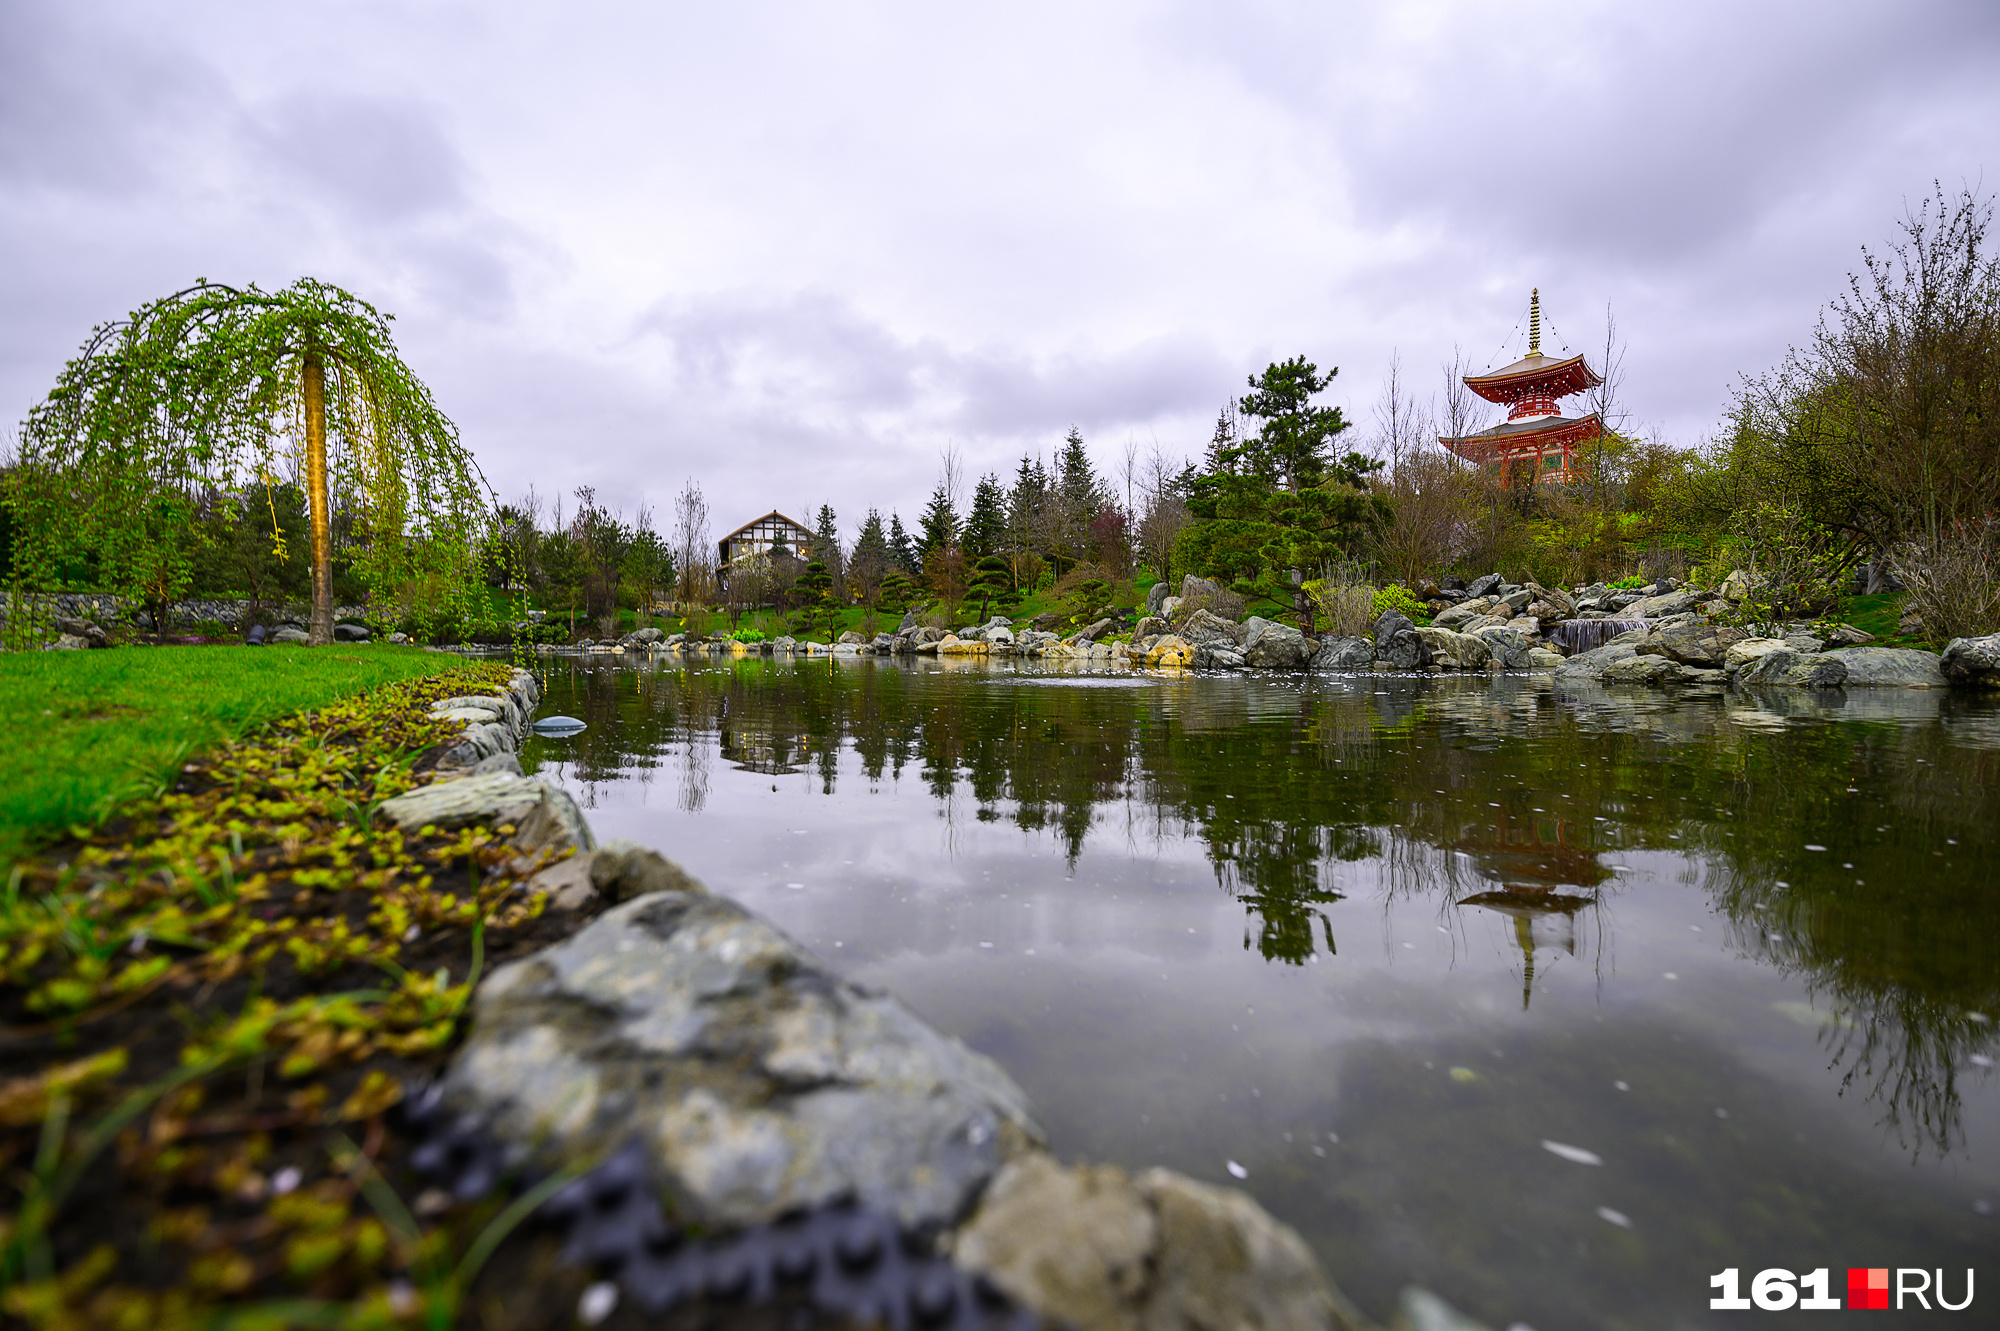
[1868, 1287]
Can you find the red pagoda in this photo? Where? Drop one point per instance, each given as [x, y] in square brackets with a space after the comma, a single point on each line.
[1535, 434]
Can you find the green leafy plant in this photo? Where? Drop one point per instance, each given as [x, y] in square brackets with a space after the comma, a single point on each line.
[1401, 599]
[216, 388]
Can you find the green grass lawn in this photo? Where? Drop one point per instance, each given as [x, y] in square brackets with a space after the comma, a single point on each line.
[80, 732]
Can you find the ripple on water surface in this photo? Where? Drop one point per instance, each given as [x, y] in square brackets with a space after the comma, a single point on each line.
[1362, 945]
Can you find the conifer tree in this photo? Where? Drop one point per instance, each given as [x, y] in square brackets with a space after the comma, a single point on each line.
[938, 524]
[986, 525]
[1272, 508]
[992, 586]
[826, 546]
[870, 560]
[901, 548]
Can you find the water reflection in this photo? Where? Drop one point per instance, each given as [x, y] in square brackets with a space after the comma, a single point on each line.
[1514, 797]
[1554, 891]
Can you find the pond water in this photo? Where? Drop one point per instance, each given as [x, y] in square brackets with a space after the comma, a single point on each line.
[1557, 1002]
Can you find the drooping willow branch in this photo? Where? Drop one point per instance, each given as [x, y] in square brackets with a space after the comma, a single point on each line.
[209, 391]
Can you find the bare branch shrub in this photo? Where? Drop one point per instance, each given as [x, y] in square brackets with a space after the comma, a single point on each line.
[1954, 578]
[1344, 598]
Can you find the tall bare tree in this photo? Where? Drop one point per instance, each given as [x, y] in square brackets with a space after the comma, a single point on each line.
[693, 558]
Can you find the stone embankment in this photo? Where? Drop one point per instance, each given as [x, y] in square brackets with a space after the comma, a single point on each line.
[678, 1035]
[1660, 635]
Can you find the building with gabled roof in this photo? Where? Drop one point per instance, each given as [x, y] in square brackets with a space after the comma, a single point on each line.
[758, 537]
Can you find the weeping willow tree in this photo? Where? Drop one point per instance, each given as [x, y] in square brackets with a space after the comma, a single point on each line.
[218, 391]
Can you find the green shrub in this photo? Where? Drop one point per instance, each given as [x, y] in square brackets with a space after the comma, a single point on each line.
[1631, 584]
[746, 635]
[1400, 598]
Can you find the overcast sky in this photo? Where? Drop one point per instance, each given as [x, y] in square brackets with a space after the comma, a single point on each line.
[794, 251]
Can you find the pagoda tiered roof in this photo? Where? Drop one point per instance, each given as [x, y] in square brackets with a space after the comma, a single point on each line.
[1527, 438]
[1535, 430]
[1535, 376]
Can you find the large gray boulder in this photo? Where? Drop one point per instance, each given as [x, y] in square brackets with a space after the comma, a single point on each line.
[1972, 662]
[1201, 591]
[542, 813]
[1343, 654]
[1269, 645]
[1458, 616]
[1748, 651]
[1659, 607]
[1508, 646]
[1092, 1246]
[1397, 645]
[1785, 667]
[1205, 629]
[1592, 664]
[1156, 595]
[1455, 651]
[756, 1080]
[1654, 671]
[1891, 667]
[1693, 644]
[1484, 586]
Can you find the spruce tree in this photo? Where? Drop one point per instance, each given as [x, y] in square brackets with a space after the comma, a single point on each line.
[826, 545]
[938, 524]
[1076, 479]
[871, 558]
[986, 525]
[901, 548]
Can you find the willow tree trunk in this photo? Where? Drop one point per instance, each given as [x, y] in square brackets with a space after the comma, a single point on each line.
[319, 504]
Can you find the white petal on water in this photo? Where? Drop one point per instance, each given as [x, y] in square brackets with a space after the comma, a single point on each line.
[796, 887]
[1623, 1086]
[1981, 1061]
[1669, 975]
[1574, 1154]
[1618, 1218]
[597, 1303]
[1811, 846]
[1237, 1171]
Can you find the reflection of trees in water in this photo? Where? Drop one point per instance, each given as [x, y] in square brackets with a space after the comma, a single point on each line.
[1445, 790]
[1898, 951]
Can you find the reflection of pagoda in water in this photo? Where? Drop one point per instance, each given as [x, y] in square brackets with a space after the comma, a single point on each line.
[1534, 862]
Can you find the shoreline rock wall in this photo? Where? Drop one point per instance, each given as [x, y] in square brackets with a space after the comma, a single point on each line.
[695, 1047]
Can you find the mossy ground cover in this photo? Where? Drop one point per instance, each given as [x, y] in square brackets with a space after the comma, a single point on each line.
[82, 732]
[208, 1005]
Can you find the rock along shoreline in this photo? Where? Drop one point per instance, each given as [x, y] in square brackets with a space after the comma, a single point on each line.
[679, 1038]
[1661, 636]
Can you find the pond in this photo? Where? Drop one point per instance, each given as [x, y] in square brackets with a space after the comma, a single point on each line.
[1556, 1002]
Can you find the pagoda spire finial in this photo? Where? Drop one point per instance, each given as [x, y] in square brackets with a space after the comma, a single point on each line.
[1535, 322]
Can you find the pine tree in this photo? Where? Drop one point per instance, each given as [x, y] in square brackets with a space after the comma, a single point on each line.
[871, 558]
[1223, 440]
[1076, 499]
[898, 590]
[901, 548]
[986, 525]
[1076, 480]
[992, 586]
[826, 546]
[1271, 509]
[814, 592]
[938, 524]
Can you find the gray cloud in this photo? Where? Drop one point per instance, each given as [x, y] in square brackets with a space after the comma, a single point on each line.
[795, 253]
